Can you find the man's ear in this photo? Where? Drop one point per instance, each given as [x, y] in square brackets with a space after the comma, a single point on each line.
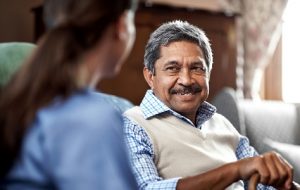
[148, 75]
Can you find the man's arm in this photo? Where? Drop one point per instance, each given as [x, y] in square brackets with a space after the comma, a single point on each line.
[142, 156]
[244, 151]
[271, 167]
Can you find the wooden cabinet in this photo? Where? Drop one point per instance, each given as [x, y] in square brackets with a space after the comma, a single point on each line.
[220, 29]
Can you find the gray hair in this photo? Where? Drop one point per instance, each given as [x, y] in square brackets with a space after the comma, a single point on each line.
[175, 31]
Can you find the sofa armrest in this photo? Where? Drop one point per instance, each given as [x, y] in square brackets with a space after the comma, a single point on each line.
[270, 119]
[226, 103]
[290, 152]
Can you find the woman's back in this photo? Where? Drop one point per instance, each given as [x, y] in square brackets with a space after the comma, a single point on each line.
[75, 141]
[73, 144]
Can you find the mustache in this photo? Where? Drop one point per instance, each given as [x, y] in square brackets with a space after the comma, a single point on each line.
[186, 90]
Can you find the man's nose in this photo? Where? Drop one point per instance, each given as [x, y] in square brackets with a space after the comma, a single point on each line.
[185, 77]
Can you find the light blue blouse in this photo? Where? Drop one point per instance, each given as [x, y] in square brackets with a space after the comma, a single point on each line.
[74, 144]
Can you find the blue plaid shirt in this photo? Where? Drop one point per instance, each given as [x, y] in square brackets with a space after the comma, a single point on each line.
[141, 148]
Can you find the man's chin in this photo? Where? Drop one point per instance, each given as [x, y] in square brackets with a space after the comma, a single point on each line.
[185, 108]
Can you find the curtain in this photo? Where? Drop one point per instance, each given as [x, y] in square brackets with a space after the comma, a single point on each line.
[259, 29]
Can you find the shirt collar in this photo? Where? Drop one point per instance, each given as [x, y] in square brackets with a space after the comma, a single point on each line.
[152, 106]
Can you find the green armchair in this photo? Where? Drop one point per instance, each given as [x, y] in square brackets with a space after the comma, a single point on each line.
[12, 55]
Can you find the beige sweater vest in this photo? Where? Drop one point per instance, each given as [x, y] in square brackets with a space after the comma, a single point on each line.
[181, 150]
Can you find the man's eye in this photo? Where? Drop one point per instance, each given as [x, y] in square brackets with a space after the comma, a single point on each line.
[199, 69]
[172, 68]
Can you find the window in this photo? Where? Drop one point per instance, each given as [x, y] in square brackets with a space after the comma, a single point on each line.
[291, 53]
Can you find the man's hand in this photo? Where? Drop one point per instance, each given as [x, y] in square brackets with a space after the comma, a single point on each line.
[270, 168]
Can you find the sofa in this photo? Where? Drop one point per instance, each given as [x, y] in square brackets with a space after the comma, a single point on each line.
[269, 125]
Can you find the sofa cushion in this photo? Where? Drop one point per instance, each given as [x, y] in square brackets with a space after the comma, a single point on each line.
[290, 152]
[270, 119]
[226, 104]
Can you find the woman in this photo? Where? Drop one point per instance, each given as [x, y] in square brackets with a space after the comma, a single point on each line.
[56, 131]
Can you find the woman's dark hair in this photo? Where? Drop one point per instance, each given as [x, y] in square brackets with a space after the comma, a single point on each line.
[74, 27]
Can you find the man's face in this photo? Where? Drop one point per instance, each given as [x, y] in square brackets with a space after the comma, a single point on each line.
[181, 78]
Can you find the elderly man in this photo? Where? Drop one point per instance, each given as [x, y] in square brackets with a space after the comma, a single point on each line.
[176, 138]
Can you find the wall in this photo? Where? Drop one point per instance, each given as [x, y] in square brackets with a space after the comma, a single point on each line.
[17, 20]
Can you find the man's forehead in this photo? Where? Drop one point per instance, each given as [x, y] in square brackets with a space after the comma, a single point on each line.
[180, 52]
[181, 47]
[178, 58]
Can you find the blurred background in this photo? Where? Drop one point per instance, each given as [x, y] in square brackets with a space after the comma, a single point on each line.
[254, 42]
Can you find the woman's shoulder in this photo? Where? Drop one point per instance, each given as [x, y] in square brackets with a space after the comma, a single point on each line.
[86, 109]
[83, 126]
